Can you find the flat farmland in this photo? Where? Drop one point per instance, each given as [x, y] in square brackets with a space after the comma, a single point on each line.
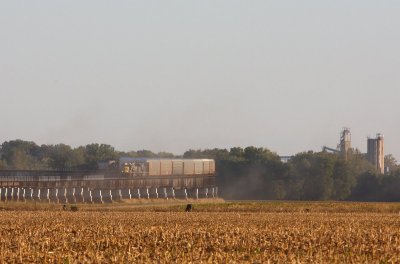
[278, 232]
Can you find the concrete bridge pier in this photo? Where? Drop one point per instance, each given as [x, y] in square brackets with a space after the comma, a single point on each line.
[73, 195]
[90, 195]
[165, 193]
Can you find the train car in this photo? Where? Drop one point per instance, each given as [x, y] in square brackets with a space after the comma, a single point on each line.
[177, 167]
[188, 167]
[166, 167]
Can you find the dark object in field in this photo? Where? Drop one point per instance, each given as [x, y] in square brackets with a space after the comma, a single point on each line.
[188, 208]
[64, 207]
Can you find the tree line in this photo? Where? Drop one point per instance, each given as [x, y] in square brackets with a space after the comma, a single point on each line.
[27, 155]
[242, 173]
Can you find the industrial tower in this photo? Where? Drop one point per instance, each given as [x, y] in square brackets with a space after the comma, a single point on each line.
[376, 153]
[344, 145]
[345, 142]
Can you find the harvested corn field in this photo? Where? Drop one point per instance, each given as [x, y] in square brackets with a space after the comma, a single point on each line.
[199, 236]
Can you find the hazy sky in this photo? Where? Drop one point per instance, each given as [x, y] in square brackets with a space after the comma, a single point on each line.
[174, 75]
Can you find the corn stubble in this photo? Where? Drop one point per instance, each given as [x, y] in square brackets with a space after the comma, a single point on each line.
[132, 237]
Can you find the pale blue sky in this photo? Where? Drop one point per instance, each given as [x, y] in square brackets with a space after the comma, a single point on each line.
[174, 75]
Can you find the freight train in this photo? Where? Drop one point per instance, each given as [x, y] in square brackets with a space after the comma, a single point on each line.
[124, 176]
[141, 167]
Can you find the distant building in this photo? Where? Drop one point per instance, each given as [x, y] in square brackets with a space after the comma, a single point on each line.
[376, 153]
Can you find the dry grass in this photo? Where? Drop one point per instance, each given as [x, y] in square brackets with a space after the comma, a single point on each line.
[221, 234]
[212, 205]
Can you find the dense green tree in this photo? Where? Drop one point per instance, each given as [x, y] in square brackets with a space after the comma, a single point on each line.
[98, 153]
[146, 154]
[60, 158]
[254, 154]
[367, 187]
[218, 154]
[311, 174]
[165, 155]
[236, 154]
[3, 165]
[64, 157]
[343, 180]
[19, 154]
[391, 163]
[278, 190]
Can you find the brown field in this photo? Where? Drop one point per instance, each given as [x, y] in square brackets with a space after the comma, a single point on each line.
[283, 232]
